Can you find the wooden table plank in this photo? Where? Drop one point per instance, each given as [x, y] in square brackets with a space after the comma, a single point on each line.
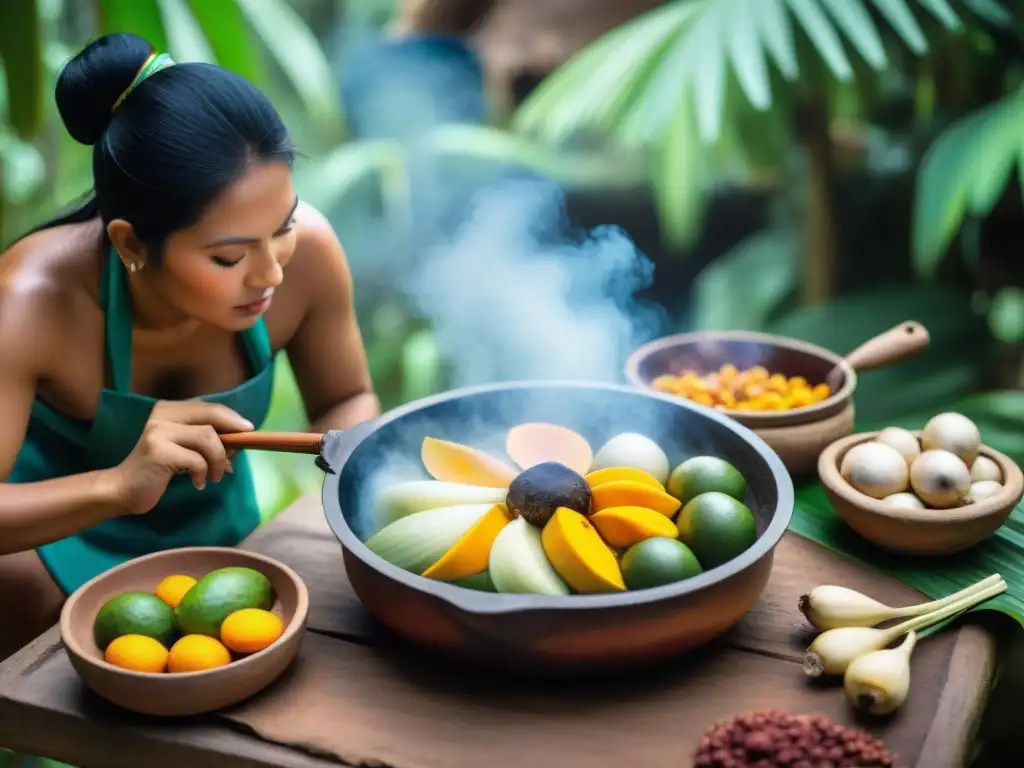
[389, 706]
[44, 710]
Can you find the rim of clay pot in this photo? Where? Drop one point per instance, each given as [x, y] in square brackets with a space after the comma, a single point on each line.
[483, 603]
[1009, 497]
[291, 628]
[808, 413]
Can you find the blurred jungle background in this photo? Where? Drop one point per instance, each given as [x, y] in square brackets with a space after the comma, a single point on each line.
[822, 169]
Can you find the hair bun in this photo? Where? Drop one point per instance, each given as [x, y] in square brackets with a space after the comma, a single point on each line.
[90, 84]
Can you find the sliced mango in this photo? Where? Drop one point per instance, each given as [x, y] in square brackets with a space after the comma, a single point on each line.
[614, 474]
[469, 555]
[456, 463]
[622, 527]
[627, 493]
[537, 442]
[579, 555]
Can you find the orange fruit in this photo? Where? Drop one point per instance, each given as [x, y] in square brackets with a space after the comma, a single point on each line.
[138, 653]
[193, 653]
[250, 630]
[173, 588]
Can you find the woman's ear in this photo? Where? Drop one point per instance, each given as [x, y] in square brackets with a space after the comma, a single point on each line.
[129, 248]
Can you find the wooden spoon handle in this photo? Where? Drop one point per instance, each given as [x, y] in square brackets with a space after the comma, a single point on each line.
[285, 442]
[895, 345]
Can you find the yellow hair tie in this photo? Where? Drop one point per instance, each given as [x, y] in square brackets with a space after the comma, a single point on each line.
[150, 66]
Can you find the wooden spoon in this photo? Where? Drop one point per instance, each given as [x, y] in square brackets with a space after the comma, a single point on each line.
[281, 442]
[892, 346]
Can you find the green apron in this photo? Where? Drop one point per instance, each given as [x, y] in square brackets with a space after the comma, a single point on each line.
[222, 514]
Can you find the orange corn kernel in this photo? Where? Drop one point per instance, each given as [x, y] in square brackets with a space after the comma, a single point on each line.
[820, 392]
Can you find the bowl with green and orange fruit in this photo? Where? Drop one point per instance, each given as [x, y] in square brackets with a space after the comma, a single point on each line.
[186, 630]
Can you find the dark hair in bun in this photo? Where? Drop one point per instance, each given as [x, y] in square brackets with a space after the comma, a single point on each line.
[169, 149]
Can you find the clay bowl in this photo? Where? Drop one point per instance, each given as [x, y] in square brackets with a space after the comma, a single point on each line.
[182, 693]
[798, 435]
[546, 635]
[918, 531]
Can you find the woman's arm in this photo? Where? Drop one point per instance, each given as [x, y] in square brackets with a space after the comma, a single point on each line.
[326, 353]
[33, 514]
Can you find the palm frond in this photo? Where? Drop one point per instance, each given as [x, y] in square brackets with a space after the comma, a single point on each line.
[629, 83]
[965, 172]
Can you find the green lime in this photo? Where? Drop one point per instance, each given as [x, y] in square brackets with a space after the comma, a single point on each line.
[656, 561]
[716, 527]
[702, 474]
[133, 613]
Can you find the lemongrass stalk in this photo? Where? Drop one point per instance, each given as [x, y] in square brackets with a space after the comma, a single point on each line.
[829, 607]
[832, 652]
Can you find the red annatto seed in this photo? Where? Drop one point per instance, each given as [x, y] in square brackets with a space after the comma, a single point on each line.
[773, 738]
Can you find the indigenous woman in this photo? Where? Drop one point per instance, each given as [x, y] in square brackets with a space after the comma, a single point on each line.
[140, 325]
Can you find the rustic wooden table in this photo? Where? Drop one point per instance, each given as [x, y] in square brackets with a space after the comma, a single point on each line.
[355, 696]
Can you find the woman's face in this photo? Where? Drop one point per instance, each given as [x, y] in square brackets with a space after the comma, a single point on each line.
[224, 269]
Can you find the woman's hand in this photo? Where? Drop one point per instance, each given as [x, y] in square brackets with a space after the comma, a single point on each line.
[179, 437]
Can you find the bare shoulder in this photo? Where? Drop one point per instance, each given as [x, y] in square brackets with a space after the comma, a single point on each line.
[319, 266]
[47, 289]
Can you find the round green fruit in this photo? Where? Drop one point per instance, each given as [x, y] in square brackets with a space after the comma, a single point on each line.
[133, 613]
[703, 474]
[657, 561]
[716, 527]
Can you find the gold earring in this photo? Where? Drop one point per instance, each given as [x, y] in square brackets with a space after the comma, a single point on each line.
[133, 267]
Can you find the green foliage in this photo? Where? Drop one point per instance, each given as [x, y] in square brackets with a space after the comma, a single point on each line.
[632, 82]
[965, 172]
[21, 52]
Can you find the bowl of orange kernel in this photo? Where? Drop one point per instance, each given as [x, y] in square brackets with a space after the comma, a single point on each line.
[185, 631]
[797, 396]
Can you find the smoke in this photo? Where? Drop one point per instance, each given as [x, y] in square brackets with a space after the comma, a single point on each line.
[512, 296]
[487, 255]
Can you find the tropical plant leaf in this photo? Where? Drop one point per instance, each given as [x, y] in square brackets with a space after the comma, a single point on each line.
[186, 40]
[334, 176]
[947, 371]
[853, 18]
[590, 87]
[229, 36]
[298, 53]
[648, 62]
[823, 36]
[677, 177]
[140, 17]
[744, 287]
[21, 57]
[991, 11]
[1006, 315]
[1002, 553]
[943, 11]
[1000, 418]
[902, 20]
[965, 170]
[568, 168]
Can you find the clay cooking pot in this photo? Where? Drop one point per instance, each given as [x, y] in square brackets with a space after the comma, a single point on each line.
[543, 634]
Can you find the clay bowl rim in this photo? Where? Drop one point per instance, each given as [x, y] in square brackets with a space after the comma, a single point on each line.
[791, 417]
[292, 628]
[1009, 497]
[488, 603]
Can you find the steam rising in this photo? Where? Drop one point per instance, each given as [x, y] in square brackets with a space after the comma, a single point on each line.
[510, 288]
[511, 296]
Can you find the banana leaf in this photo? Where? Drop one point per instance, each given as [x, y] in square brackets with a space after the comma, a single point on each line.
[1002, 553]
[1000, 418]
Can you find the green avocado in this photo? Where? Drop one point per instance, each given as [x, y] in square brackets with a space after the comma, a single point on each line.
[133, 613]
[219, 594]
